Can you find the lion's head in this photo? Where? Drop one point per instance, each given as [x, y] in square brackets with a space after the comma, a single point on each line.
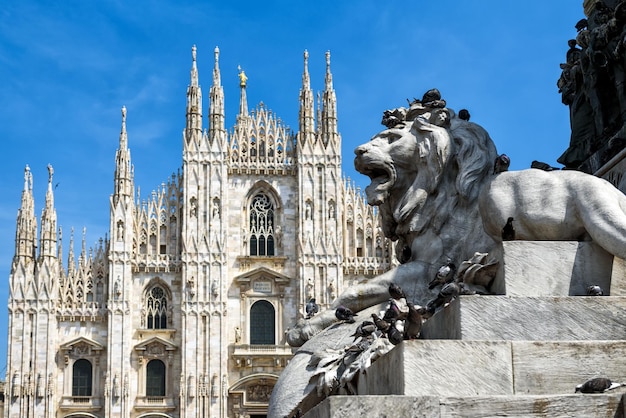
[426, 173]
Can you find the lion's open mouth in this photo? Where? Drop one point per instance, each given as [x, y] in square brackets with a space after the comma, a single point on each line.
[382, 176]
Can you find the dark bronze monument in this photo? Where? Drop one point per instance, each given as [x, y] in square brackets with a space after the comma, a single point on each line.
[593, 85]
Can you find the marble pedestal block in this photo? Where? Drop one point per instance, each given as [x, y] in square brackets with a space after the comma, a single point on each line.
[449, 368]
[566, 406]
[555, 268]
[568, 318]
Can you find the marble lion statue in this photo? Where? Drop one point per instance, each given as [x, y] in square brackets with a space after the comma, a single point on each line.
[432, 176]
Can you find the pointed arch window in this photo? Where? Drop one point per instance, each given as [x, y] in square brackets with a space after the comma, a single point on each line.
[82, 373]
[262, 323]
[155, 378]
[156, 308]
[261, 226]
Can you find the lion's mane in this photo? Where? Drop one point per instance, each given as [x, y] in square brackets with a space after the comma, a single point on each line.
[449, 166]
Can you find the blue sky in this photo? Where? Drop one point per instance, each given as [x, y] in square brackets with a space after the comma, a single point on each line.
[67, 68]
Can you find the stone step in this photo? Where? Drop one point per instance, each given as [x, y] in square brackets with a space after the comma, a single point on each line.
[453, 368]
[560, 406]
[567, 318]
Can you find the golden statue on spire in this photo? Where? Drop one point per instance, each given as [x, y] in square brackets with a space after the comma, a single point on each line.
[242, 77]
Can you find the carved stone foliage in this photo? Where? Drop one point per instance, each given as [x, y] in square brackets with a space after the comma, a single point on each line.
[155, 348]
[81, 348]
[263, 143]
[259, 393]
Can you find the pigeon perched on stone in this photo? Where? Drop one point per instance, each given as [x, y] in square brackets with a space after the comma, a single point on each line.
[358, 347]
[445, 274]
[428, 311]
[297, 414]
[432, 98]
[594, 290]
[394, 312]
[508, 231]
[311, 308]
[501, 164]
[467, 289]
[405, 255]
[413, 324]
[380, 323]
[393, 117]
[394, 335]
[345, 314]
[597, 385]
[542, 166]
[581, 24]
[396, 291]
[448, 292]
[365, 329]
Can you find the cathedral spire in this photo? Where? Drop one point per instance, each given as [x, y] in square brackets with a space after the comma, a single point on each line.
[216, 106]
[48, 222]
[194, 68]
[329, 108]
[26, 232]
[123, 167]
[60, 250]
[306, 100]
[216, 68]
[82, 258]
[71, 259]
[329, 77]
[193, 128]
[243, 101]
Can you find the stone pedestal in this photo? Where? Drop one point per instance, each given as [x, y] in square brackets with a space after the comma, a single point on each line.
[530, 318]
[518, 355]
[487, 368]
[555, 268]
[566, 406]
[618, 277]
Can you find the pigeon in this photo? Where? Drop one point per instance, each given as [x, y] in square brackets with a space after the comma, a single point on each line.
[405, 256]
[445, 274]
[501, 164]
[581, 24]
[413, 324]
[428, 311]
[467, 289]
[464, 114]
[396, 291]
[542, 166]
[345, 314]
[380, 323]
[359, 346]
[365, 329]
[393, 117]
[448, 292]
[594, 290]
[311, 308]
[432, 98]
[394, 312]
[508, 232]
[394, 335]
[597, 385]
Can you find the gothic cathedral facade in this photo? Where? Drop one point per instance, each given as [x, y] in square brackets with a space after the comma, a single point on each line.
[181, 310]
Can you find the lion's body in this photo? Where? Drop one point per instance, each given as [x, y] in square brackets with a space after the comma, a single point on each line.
[427, 180]
[556, 206]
